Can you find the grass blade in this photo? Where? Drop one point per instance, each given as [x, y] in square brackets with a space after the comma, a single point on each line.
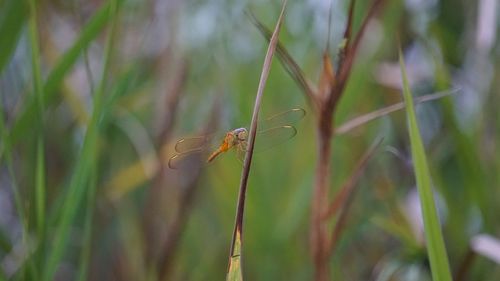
[365, 118]
[290, 65]
[12, 17]
[83, 170]
[234, 271]
[440, 267]
[38, 91]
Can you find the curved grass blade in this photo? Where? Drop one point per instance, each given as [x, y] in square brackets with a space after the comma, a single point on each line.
[234, 271]
[440, 267]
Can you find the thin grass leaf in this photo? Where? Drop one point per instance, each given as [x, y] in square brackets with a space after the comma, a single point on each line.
[12, 17]
[287, 61]
[365, 118]
[87, 227]
[237, 240]
[440, 267]
[38, 91]
[50, 88]
[83, 170]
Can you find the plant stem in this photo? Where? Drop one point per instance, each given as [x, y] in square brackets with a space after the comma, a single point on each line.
[319, 230]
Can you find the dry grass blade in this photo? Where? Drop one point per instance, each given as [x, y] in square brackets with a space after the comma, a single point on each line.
[287, 61]
[346, 195]
[238, 227]
[365, 118]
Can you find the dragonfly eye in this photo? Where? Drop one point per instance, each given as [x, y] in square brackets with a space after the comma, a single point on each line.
[242, 136]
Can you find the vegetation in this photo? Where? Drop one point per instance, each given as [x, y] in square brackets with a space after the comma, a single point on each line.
[391, 175]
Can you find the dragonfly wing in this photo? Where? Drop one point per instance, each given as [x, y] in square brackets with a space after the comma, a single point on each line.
[240, 154]
[203, 142]
[191, 151]
[191, 143]
[186, 160]
[271, 137]
[284, 118]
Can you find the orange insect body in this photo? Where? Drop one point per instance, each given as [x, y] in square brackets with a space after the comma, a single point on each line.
[232, 139]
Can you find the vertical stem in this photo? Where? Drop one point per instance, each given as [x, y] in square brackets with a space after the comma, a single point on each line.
[38, 90]
[238, 225]
[319, 231]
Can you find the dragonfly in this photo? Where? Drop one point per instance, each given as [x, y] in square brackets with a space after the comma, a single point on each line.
[271, 131]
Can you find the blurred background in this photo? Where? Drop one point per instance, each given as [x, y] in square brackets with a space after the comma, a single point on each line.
[112, 209]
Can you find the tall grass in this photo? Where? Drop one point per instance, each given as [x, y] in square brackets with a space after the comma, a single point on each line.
[83, 181]
[440, 267]
[234, 267]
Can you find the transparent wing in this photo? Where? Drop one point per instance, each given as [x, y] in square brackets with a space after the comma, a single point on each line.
[187, 160]
[191, 151]
[271, 137]
[194, 143]
[285, 118]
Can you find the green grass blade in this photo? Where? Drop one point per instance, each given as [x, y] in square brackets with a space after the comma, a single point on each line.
[38, 91]
[12, 17]
[83, 170]
[50, 89]
[87, 228]
[440, 267]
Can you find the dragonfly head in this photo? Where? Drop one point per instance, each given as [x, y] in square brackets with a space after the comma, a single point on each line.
[241, 134]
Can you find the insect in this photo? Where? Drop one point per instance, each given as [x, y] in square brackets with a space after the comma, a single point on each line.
[270, 132]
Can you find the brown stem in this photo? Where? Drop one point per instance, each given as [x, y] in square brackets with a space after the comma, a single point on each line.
[346, 197]
[319, 231]
[350, 53]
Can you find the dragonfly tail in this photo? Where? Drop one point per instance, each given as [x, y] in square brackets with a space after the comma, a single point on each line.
[214, 154]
